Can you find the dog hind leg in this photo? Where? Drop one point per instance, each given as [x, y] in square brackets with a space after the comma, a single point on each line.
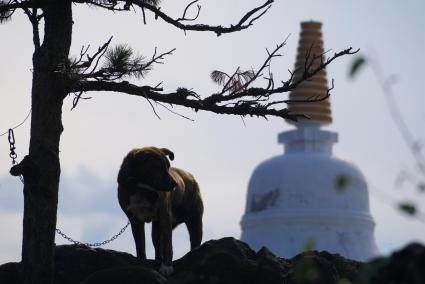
[194, 226]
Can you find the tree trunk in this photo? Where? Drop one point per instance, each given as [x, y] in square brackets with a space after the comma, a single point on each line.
[41, 168]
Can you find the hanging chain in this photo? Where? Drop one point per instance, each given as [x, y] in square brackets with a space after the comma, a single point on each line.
[99, 244]
[11, 138]
[14, 156]
[12, 148]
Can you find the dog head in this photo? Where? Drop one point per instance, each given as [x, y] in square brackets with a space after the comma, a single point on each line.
[147, 169]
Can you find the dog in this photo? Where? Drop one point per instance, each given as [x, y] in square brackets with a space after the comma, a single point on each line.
[149, 190]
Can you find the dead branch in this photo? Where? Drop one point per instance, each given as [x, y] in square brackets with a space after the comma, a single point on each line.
[124, 5]
[184, 18]
[176, 98]
[35, 20]
[246, 21]
[87, 63]
[312, 99]
[77, 98]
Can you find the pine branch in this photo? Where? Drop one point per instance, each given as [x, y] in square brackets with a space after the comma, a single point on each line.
[8, 8]
[237, 96]
[6, 11]
[119, 62]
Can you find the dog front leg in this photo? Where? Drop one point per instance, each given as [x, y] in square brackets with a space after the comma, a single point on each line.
[157, 241]
[168, 249]
[138, 230]
[162, 240]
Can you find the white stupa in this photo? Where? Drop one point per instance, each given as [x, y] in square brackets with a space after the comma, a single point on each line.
[306, 195]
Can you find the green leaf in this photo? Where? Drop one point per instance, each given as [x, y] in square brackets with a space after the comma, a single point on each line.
[344, 281]
[309, 245]
[305, 271]
[356, 66]
[407, 208]
[341, 182]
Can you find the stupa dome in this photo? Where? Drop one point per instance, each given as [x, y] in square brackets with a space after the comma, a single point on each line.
[308, 197]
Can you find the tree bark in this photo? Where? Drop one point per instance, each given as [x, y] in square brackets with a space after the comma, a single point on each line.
[41, 168]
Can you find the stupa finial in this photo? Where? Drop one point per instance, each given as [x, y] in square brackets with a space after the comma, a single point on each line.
[310, 46]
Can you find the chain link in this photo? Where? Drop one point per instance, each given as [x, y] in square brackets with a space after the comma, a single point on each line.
[12, 148]
[11, 138]
[14, 156]
[99, 244]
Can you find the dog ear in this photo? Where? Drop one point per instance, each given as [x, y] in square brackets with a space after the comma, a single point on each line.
[168, 153]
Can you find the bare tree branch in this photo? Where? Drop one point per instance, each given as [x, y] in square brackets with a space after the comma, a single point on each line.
[34, 19]
[177, 98]
[265, 93]
[124, 5]
[174, 112]
[312, 99]
[85, 64]
[246, 21]
[397, 117]
[184, 18]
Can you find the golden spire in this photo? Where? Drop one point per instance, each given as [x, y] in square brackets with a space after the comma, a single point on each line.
[316, 87]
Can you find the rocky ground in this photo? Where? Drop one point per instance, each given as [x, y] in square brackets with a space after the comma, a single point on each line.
[229, 261]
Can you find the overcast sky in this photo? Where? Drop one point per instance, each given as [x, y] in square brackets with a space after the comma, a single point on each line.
[221, 151]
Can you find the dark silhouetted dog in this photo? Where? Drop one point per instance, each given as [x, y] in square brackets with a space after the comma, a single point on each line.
[149, 190]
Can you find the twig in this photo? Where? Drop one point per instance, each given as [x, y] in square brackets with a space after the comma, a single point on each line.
[183, 18]
[174, 112]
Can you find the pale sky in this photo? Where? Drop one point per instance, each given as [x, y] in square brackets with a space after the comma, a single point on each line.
[221, 151]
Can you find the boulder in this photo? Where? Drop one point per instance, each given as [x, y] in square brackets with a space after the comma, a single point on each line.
[403, 266]
[229, 261]
[126, 275]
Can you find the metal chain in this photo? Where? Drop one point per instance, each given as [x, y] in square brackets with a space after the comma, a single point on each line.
[99, 244]
[14, 156]
[11, 138]
[12, 148]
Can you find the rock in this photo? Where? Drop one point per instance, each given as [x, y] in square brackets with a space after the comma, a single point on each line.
[10, 273]
[322, 268]
[403, 266]
[232, 261]
[127, 275]
[218, 261]
[75, 263]
[229, 261]
[271, 269]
